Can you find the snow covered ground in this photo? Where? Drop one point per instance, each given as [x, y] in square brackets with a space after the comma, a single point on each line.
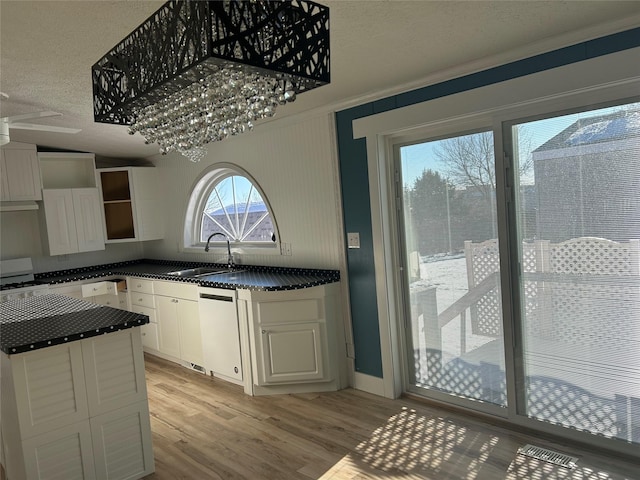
[448, 273]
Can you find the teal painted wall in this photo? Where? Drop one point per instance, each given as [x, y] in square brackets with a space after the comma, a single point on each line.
[355, 181]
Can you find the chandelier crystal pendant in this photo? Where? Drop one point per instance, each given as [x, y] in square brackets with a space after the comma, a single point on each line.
[197, 72]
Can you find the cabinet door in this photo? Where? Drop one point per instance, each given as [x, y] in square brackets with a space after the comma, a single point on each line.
[50, 388]
[122, 443]
[88, 219]
[190, 336]
[150, 221]
[22, 172]
[61, 221]
[66, 453]
[168, 327]
[114, 367]
[292, 353]
[149, 334]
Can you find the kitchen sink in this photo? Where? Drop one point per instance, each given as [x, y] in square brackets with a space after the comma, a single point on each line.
[199, 272]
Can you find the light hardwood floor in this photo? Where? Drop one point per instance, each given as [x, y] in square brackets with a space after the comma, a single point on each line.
[204, 428]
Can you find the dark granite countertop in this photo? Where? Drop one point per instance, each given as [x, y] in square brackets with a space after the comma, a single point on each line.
[39, 322]
[248, 277]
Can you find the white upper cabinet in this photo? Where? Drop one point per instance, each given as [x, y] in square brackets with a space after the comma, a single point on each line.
[72, 212]
[73, 220]
[20, 172]
[130, 203]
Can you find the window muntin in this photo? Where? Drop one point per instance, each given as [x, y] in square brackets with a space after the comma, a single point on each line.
[236, 208]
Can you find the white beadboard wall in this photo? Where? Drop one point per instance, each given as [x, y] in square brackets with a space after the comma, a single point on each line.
[295, 165]
[21, 236]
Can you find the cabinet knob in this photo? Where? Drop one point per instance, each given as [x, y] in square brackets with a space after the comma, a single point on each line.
[235, 369]
[139, 299]
[264, 331]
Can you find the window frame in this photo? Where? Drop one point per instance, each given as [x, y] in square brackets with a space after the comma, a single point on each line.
[198, 197]
[502, 120]
[602, 81]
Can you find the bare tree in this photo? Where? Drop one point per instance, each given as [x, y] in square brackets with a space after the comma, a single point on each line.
[469, 160]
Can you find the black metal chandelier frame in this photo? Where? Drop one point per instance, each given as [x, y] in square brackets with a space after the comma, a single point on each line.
[186, 40]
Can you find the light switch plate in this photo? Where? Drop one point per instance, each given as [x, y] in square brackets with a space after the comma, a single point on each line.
[353, 240]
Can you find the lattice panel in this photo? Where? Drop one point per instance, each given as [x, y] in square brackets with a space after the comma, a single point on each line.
[530, 300]
[528, 257]
[481, 382]
[562, 403]
[582, 256]
[593, 256]
[488, 315]
[552, 400]
[588, 314]
[486, 259]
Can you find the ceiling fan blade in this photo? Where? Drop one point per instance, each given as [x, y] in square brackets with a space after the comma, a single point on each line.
[29, 116]
[43, 128]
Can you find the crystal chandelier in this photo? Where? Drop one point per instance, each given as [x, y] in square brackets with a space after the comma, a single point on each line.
[198, 72]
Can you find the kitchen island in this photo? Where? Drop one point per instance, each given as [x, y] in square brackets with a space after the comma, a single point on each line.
[73, 393]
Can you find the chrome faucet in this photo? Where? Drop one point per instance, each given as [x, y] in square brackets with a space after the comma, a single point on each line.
[229, 256]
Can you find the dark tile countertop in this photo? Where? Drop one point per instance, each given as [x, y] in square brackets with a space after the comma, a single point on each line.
[43, 321]
[248, 277]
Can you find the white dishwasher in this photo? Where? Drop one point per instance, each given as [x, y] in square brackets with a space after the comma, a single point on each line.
[220, 334]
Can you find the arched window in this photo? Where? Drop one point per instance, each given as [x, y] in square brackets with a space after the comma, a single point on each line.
[227, 200]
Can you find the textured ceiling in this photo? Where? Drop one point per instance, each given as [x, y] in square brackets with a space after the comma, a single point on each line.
[47, 49]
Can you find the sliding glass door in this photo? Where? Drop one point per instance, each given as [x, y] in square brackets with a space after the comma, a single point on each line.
[452, 277]
[566, 208]
[578, 233]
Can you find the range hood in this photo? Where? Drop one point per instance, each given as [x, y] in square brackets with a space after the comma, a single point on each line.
[17, 206]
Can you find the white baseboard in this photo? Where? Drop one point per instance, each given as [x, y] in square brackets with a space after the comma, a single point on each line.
[369, 384]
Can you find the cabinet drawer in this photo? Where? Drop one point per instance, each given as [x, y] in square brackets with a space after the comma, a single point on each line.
[115, 301]
[186, 291]
[149, 312]
[68, 289]
[140, 285]
[107, 287]
[142, 299]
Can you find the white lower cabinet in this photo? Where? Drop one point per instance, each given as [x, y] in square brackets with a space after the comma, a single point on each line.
[77, 410]
[142, 301]
[106, 292]
[149, 331]
[115, 301]
[43, 454]
[295, 352]
[121, 449]
[293, 337]
[178, 317]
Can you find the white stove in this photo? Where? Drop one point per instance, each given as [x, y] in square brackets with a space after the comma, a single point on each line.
[16, 280]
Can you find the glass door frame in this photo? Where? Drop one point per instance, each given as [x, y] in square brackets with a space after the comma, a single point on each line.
[469, 125]
[501, 123]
